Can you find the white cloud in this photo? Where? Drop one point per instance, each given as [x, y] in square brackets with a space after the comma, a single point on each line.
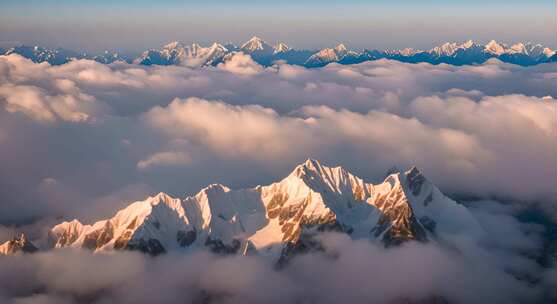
[168, 158]
[34, 102]
[459, 124]
[232, 130]
[241, 64]
[462, 144]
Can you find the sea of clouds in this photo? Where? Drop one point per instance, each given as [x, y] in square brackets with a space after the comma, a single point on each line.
[82, 140]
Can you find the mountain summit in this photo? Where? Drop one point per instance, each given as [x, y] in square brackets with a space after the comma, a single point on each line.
[256, 44]
[19, 244]
[280, 218]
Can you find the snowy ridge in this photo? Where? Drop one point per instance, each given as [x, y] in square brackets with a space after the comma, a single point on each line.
[449, 49]
[175, 53]
[271, 220]
[328, 55]
[195, 55]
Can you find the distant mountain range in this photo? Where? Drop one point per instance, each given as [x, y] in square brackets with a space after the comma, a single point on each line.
[277, 220]
[195, 55]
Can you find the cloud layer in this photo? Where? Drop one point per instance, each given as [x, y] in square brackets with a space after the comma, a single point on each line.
[83, 139]
[97, 129]
[347, 271]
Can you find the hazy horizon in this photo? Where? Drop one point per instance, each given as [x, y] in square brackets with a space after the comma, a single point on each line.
[135, 26]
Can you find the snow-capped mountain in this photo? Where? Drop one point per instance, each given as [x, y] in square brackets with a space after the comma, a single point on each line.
[41, 54]
[528, 49]
[327, 55]
[470, 52]
[450, 49]
[520, 53]
[256, 45]
[16, 245]
[195, 55]
[175, 53]
[279, 219]
[108, 57]
[281, 47]
[261, 51]
[493, 47]
[61, 56]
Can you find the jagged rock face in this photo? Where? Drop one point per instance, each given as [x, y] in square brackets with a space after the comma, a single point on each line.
[16, 245]
[66, 235]
[398, 222]
[279, 219]
[151, 246]
[186, 238]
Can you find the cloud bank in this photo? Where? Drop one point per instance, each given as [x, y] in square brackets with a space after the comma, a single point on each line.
[477, 130]
[347, 271]
[83, 139]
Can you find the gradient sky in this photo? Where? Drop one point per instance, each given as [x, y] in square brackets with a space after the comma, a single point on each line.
[135, 25]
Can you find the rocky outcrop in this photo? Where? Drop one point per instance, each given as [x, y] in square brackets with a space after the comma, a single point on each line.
[19, 244]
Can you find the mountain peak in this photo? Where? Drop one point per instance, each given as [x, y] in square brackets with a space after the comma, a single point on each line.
[255, 38]
[256, 44]
[341, 48]
[17, 244]
[219, 46]
[468, 44]
[519, 48]
[495, 48]
[327, 55]
[413, 171]
[172, 45]
[309, 165]
[161, 197]
[312, 163]
[215, 187]
[281, 47]
[451, 48]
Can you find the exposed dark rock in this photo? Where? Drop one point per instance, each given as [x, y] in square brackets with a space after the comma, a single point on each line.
[415, 180]
[308, 241]
[382, 225]
[217, 246]
[410, 230]
[186, 238]
[305, 244]
[428, 223]
[152, 246]
[428, 199]
[398, 222]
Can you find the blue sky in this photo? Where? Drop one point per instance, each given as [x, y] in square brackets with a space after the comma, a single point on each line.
[140, 24]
